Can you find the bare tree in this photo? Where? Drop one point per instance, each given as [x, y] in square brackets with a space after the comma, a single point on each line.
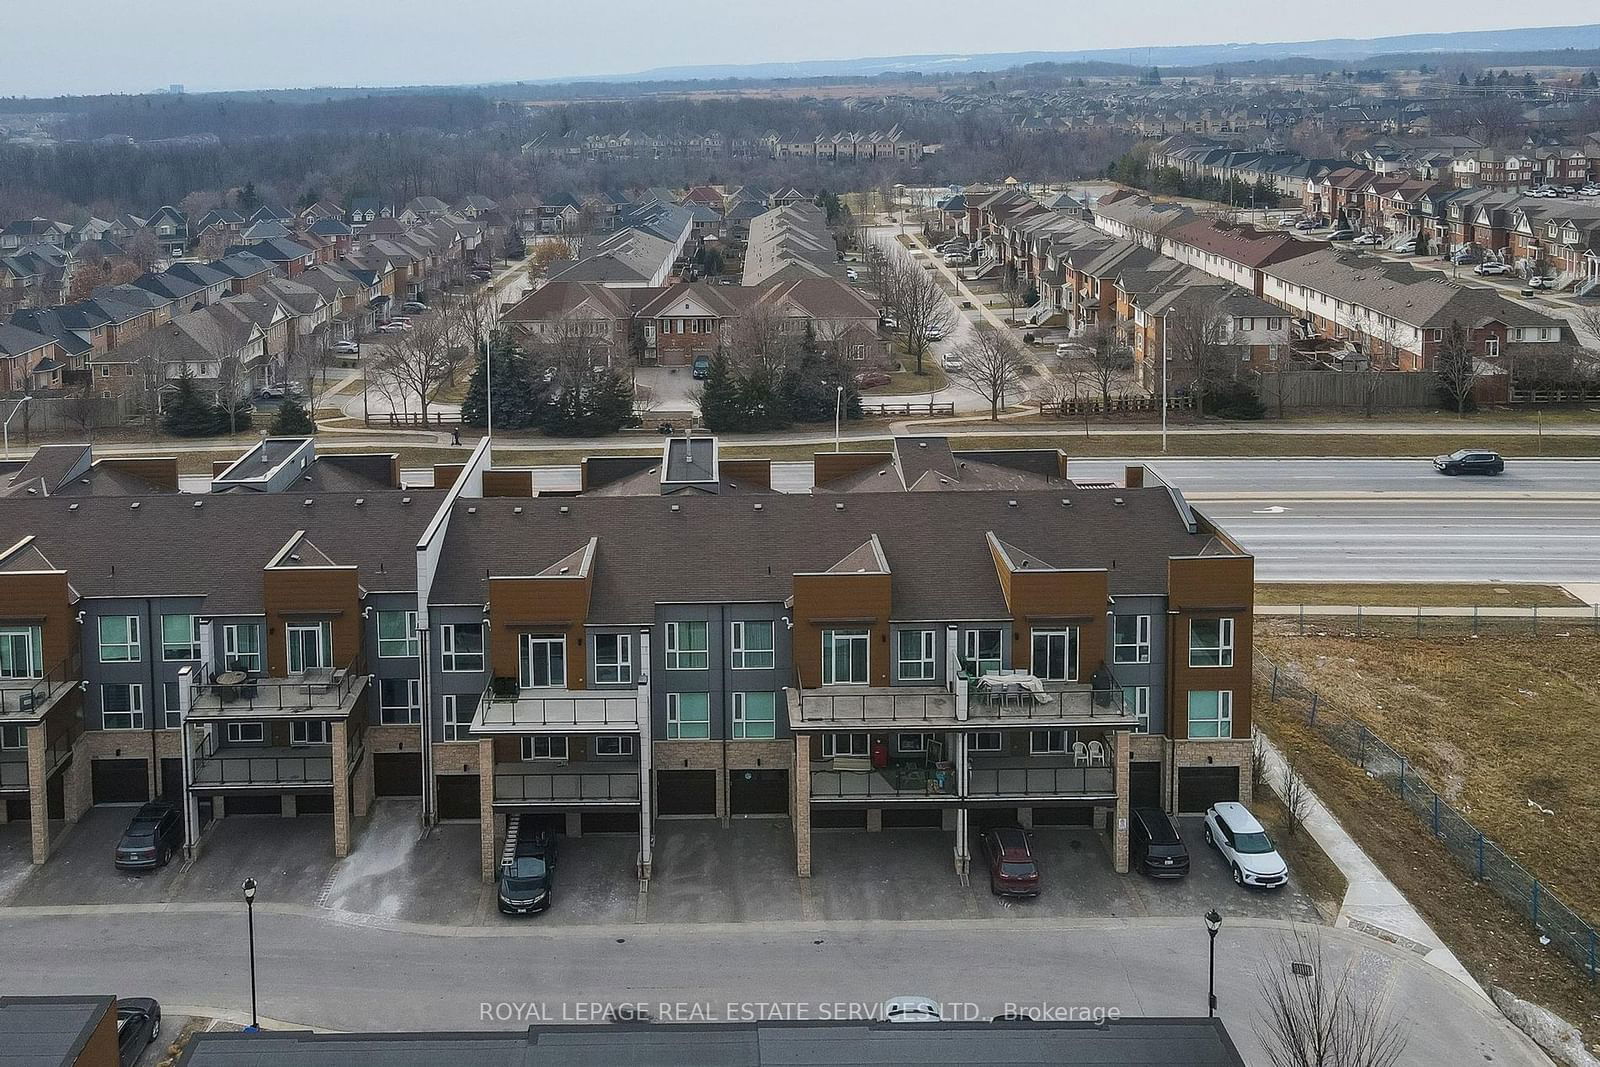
[1329, 1017]
[412, 364]
[1295, 794]
[1456, 366]
[1199, 344]
[143, 249]
[992, 365]
[232, 398]
[1104, 357]
[919, 305]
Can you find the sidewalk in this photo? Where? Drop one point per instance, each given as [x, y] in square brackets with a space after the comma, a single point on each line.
[1372, 905]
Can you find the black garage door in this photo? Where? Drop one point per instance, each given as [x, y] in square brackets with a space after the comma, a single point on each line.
[758, 792]
[1201, 787]
[1144, 784]
[686, 792]
[119, 781]
[610, 822]
[912, 819]
[313, 804]
[1064, 815]
[397, 774]
[458, 796]
[172, 779]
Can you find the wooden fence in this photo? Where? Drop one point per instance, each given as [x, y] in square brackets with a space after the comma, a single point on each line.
[886, 408]
[1590, 395]
[1121, 404]
[1348, 390]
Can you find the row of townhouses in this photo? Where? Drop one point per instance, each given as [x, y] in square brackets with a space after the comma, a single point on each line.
[891, 145]
[929, 637]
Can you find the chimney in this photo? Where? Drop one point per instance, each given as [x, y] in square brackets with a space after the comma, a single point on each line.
[1133, 478]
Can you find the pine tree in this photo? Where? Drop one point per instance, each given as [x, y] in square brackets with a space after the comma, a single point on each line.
[720, 409]
[516, 407]
[292, 419]
[188, 414]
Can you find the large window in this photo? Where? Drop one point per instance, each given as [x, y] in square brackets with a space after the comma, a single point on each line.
[246, 733]
[310, 732]
[916, 660]
[310, 646]
[1211, 642]
[986, 741]
[845, 745]
[1132, 643]
[399, 701]
[754, 715]
[613, 745]
[457, 718]
[461, 647]
[171, 715]
[688, 716]
[981, 651]
[544, 746]
[1055, 654]
[844, 657]
[13, 737]
[613, 659]
[122, 707]
[21, 652]
[241, 647]
[119, 638]
[1046, 742]
[180, 637]
[1136, 699]
[686, 646]
[753, 645]
[1210, 713]
[397, 634]
[542, 662]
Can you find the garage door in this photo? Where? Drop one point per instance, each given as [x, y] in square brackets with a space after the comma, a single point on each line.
[172, 779]
[313, 803]
[763, 792]
[686, 792]
[397, 774]
[912, 819]
[1144, 783]
[1201, 787]
[458, 796]
[1064, 815]
[610, 822]
[119, 781]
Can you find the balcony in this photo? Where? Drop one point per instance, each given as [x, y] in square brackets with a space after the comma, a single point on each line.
[246, 767]
[14, 771]
[557, 711]
[27, 700]
[986, 706]
[321, 693]
[593, 783]
[1028, 777]
[1064, 703]
[839, 707]
[903, 781]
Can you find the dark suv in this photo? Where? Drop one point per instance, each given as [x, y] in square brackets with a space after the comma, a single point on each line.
[1156, 846]
[527, 870]
[1012, 870]
[154, 834]
[1470, 461]
[138, 1024]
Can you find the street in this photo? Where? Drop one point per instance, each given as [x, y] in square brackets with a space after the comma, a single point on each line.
[322, 972]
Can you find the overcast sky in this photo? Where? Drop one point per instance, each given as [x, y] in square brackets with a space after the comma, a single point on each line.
[96, 46]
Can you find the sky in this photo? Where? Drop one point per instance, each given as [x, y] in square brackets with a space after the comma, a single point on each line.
[59, 47]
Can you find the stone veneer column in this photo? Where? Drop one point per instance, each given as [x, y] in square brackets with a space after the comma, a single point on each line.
[341, 790]
[1119, 827]
[801, 815]
[38, 796]
[486, 806]
[363, 785]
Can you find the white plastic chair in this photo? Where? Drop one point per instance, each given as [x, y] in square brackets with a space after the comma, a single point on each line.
[1080, 753]
[1097, 752]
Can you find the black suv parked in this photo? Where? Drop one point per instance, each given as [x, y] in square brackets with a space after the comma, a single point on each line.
[150, 840]
[1156, 846]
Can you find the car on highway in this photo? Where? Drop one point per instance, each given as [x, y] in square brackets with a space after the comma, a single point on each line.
[154, 835]
[1470, 461]
[1492, 267]
[138, 1024]
[951, 362]
[1245, 846]
[912, 1010]
[1013, 872]
[1155, 844]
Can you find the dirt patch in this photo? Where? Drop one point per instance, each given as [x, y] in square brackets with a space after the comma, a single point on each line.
[1416, 594]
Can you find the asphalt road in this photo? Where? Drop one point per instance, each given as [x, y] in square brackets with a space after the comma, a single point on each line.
[1202, 478]
[319, 972]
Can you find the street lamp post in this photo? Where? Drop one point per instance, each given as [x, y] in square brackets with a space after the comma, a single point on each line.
[1213, 924]
[838, 409]
[5, 428]
[1164, 325]
[250, 911]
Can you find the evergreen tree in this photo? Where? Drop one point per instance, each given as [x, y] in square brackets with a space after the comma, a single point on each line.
[187, 414]
[761, 399]
[516, 405]
[1591, 81]
[292, 419]
[720, 410]
[1463, 79]
[249, 199]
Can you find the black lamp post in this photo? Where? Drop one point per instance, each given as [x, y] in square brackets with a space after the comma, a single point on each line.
[250, 911]
[1213, 924]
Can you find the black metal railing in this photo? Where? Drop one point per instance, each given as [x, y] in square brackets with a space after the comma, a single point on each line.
[532, 707]
[531, 787]
[263, 770]
[329, 688]
[903, 782]
[1041, 781]
[24, 695]
[1098, 701]
[876, 706]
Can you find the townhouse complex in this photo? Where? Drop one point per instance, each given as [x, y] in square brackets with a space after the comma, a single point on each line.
[845, 146]
[932, 637]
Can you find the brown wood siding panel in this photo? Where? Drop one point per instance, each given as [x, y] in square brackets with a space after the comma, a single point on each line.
[1202, 588]
[220, 465]
[445, 474]
[520, 605]
[44, 597]
[841, 596]
[1037, 597]
[162, 471]
[748, 471]
[507, 483]
[831, 466]
[101, 1049]
[288, 592]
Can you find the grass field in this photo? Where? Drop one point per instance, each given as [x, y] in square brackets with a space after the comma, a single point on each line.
[1492, 723]
[932, 378]
[1415, 594]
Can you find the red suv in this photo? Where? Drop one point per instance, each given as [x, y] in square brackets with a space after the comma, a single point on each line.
[1012, 870]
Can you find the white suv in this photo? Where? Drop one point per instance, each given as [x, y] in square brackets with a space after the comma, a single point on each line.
[1234, 832]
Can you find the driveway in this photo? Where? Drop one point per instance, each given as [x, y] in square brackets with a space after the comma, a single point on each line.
[671, 388]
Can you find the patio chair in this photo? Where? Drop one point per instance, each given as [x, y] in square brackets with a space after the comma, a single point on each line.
[1080, 753]
[1097, 752]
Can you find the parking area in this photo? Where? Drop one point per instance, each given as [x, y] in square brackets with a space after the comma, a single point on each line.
[16, 857]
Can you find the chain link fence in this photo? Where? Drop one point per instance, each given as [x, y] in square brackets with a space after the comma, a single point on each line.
[1487, 862]
[1428, 621]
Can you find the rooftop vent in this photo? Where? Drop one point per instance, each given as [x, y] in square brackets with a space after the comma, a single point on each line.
[306, 502]
[133, 506]
[676, 508]
[72, 507]
[758, 507]
[1011, 503]
[564, 570]
[405, 500]
[199, 503]
[360, 500]
[1119, 502]
[1065, 502]
[922, 444]
[516, 510]
[472, 511]
[566, 510]
[838, 507]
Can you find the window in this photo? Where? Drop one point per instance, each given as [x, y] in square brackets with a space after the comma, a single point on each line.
[981, 651]
[754, 715]
[310, 646]
[1136, 699]
[753, 645]
[400, 701]
[1491, 346]
[986, 741]
[246, 733]
[241, 647]
[21, 652]
[688, 716]
[1210, 713]
[397, 634]
[122, 707]
[613, 659]
[916, 661]
[686, 646]
[844, 657]
[172, 719]
[844, 745]
[455, 723]
[911, 743]
[119, 638]
[1211, 642]
[13, 737]
[544, 746]
[461, 646]
[180, 637]
[613, 745]
[542, 662]
[1055, 655]
[1132, 643]
[309, 732]
[1043, 742]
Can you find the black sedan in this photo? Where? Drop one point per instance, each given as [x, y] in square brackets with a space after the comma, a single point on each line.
[1470, 461]
[138, 1024]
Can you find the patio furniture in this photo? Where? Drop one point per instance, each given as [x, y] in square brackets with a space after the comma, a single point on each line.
[1097, 753]
[1080, 753]
[227, 684]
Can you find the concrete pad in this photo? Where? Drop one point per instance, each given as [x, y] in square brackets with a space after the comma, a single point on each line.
[596, 882]
[705, 873]
[1077, 876]
[395, 872]
[16, 856]
[1588, 592]
[671, 387]
[80, 870]
[290, 859]
[891, 874]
